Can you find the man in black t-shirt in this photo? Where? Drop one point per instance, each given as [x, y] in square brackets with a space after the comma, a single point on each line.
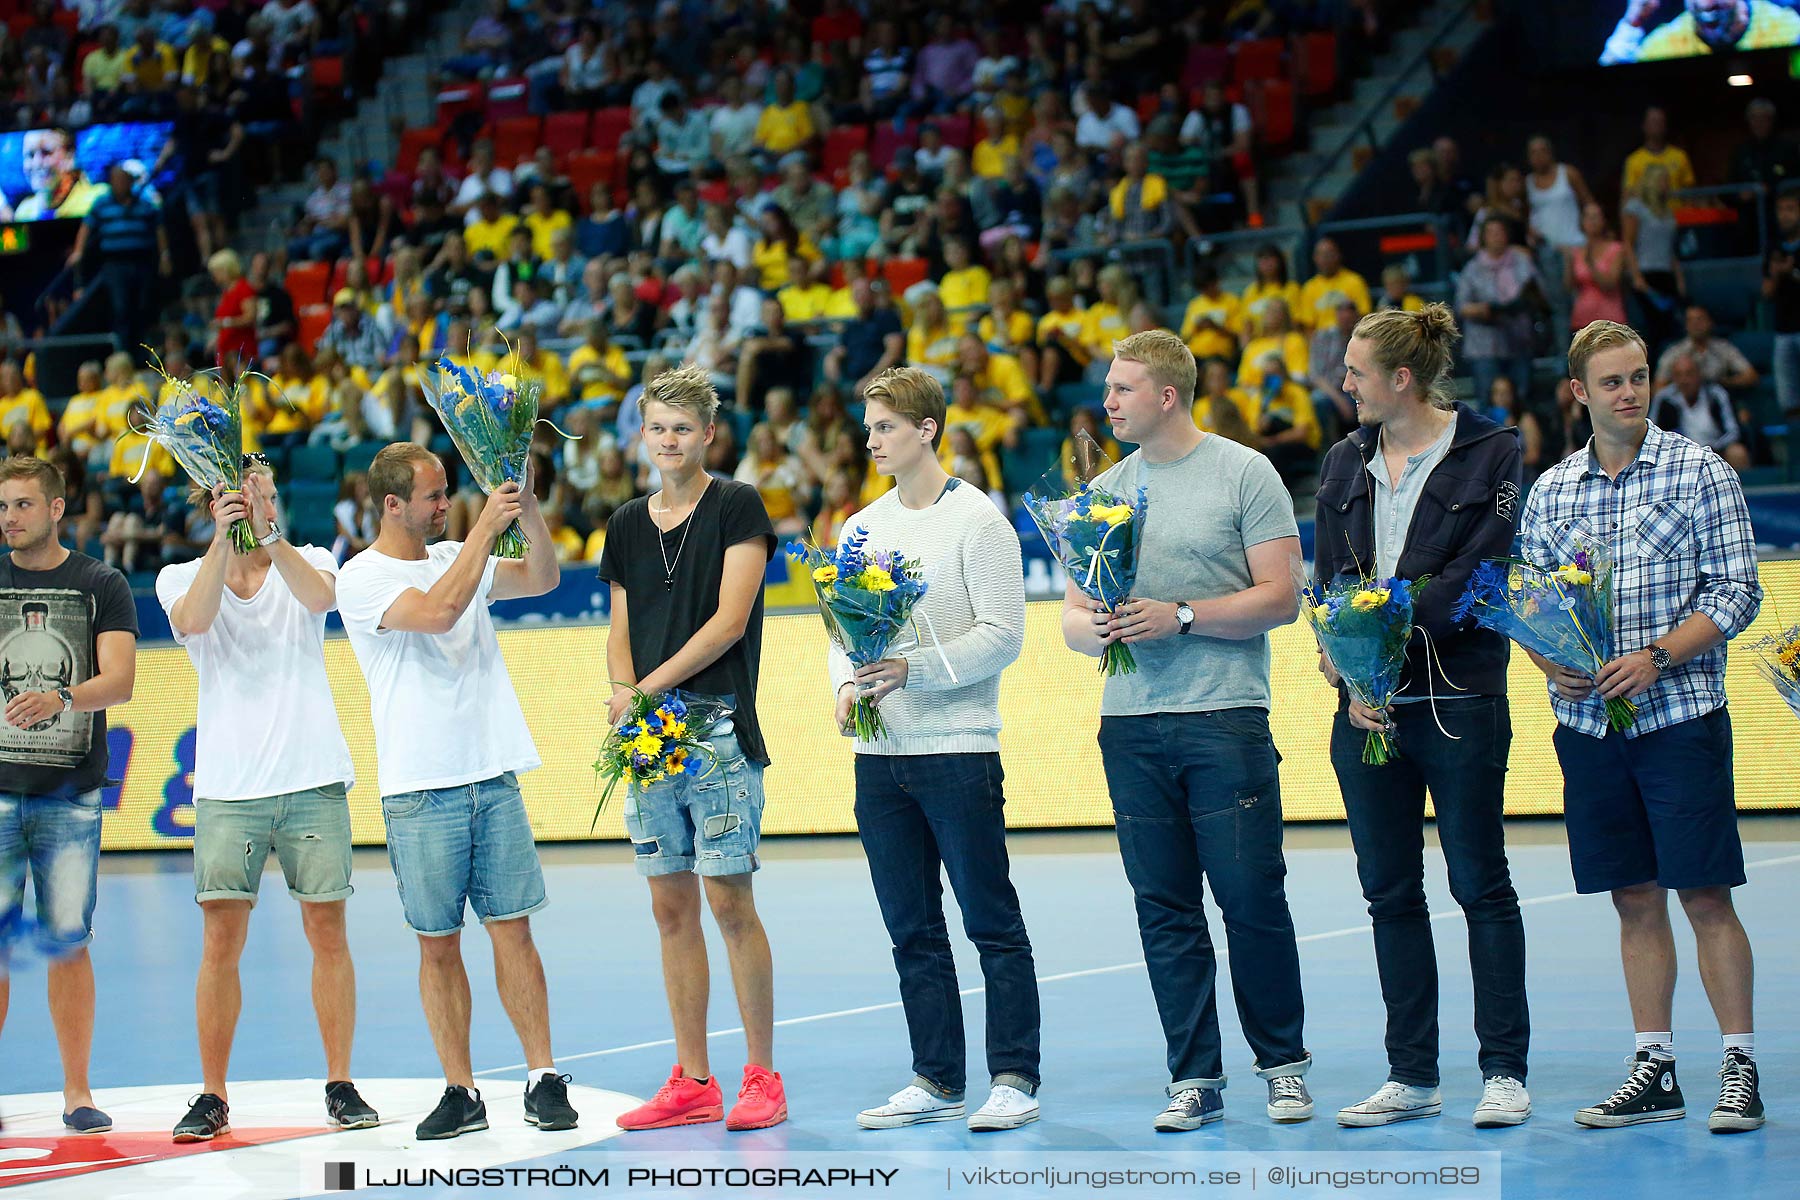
[686, 568]
[1781, 287]
[68, 646]
[869, 344]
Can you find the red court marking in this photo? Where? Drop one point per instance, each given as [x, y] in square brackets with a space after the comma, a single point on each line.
[85, 1154]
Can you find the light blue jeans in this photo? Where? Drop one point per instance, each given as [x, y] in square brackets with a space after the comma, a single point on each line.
[58, 839]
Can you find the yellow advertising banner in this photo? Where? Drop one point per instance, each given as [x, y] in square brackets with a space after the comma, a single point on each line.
[1049, 700]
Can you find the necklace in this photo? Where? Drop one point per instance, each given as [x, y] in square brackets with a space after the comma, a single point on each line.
[662, 546]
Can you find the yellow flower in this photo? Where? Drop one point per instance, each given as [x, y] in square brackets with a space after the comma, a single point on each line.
[647, 744]
[1369, 599]
[677, 758]
[673, 729]
[1572, 575]
[510, 382]
[189, 417]
[1110, 514]
[825, 574]
[874, 579]
[1789, 654]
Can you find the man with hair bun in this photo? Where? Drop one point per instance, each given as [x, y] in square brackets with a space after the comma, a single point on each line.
[1185, 741]
[1651, 809]
[1427, 487]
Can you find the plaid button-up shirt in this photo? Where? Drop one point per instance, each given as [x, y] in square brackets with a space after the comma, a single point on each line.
[1679, 533]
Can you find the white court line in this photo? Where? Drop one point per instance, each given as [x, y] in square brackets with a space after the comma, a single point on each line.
[1450, 914]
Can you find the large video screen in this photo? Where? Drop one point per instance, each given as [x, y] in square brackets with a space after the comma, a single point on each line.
[49, 174]
[1660, 30]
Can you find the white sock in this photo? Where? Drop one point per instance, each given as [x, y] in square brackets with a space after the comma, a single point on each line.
[1660, 1045]
[1743, 1043]
[536, 1073]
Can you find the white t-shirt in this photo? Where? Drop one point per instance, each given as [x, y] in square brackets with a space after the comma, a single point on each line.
[443, 705]
[267, 722]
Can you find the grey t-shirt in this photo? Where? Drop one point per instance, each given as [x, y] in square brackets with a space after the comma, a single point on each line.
[1206, 510]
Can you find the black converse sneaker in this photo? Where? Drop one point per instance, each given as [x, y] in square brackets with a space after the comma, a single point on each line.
[1740, 1106]
[1649, 1093]
[208, 1117]
[347, 1109]
[1191, 1108]
[547, 1103]
[460, 1111]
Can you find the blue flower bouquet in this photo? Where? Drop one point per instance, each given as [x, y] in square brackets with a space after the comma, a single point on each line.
[660, 737]
[1778, 659]
[201, 425]
[1363, 626]
[867, 599]
[1095, 534]
[490, 418]
[1563, 613]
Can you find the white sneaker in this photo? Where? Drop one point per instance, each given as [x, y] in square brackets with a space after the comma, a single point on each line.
[1393, 1102]
[1504, 1101]
[1289, 1101]
[1006, 1108]
[913, 1106]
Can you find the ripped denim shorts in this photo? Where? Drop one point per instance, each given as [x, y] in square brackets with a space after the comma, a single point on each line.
[709, 823]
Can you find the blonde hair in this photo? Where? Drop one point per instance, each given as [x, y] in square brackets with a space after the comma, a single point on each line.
[1422, 342]
[228, 262]
[912, 394]
[687, 387]
[1167, 359]
[1597, 337]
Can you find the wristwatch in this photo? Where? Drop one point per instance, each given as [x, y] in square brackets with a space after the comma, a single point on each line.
[270, 538]
[1184, 613]
[67, 697]
[1661, 659]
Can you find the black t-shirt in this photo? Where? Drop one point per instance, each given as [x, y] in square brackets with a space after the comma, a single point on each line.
[865, 340]
[663, 618]
[50, 623]
[1787, 284]
[274, 307]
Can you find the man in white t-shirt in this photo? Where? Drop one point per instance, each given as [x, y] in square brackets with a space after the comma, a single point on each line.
[450, 740]
[271, 772]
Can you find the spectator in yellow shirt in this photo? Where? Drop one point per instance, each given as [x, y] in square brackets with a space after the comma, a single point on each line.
[151, 65]
[1286, 421]
[807, 296]
[999, 381]
[599, 370]
[779, 244]
[965, 283]
[1396, 290]
[1007, 328]
[19, 403]
[543, 219]
[122, 387]
[490, 233]
[1656, 151]
[298, 400]
[996, 146]
[1317, 298]
[82, 427]
[1062, 351]
[987, 427]
[785, 125]
[1109, 319]
[1224, 410]
[103, 70]
[931, 342]
[1275, 333]
[530, 361]
[1210, 324]
[1272, 282]
[129, 449]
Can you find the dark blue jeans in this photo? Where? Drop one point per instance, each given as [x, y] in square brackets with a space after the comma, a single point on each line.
[1196, 799]
[1386, 809]
[919, 812]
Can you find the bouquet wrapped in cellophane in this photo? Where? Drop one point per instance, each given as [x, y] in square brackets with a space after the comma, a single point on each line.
[490, 417]
[660, 737]
[1564, 614]
[1778, 658]
[1095, 534]
[866, 598]
[1363, 626]
[200, 422]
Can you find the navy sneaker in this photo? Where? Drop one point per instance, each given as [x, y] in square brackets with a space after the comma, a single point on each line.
[1191, 1108]
[547, 1103]
[87, 1119]
[460, 1111]
[207, 1118]
[345, 1108]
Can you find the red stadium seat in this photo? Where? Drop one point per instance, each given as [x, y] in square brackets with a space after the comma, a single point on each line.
[328, 78]
[1318, 64]
[455, 101]
[840, 144]
[588, 168]
[888, 140]
[958, 130]
[507, 98]
[306, 283]
[1398, 245]
[566, 132]
[902, 273]
[610, 125]
[1206, 62]
[314, 320]
[1147, 104]
[1258, 59]
[1271, 102]
[515, 140]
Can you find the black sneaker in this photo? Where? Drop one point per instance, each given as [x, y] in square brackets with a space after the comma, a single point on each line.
[1649, 1093]
[207, 1118]
[344, 1107]
[547, 1103]
[460, 1111]
[1740, 1106]
[1191, 1108]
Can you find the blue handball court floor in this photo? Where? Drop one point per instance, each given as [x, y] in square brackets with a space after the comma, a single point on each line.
[841, 1046]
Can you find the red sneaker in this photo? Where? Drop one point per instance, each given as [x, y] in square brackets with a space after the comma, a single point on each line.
[761, 1102]
[680, 1101]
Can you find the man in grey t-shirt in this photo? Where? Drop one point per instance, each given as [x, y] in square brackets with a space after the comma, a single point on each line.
[1185, 740]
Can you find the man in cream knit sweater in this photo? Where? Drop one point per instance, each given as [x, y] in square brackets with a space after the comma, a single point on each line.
[929, 794]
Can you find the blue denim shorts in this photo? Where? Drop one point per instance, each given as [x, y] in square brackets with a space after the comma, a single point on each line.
[309, 832]
[468, 843]
[58, 837]
[709, 823]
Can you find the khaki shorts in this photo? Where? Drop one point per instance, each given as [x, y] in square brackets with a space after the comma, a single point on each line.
[308, 831]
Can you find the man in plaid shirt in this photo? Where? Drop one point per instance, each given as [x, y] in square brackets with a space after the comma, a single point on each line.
[1652, 809]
